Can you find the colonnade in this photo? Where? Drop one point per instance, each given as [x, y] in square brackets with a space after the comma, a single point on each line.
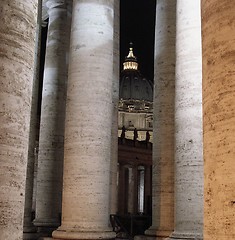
[84, 150]
[131, 179]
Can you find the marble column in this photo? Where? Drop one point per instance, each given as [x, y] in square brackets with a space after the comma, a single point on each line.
[86, 182]
[29, 228]
[163, 128]
[188, 123]
[17, 34]
[218, 44]
[51, 137]
[115, 100]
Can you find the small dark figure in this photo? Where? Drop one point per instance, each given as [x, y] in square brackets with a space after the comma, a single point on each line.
[123, 135]
[123, 132]
[135, 134]
[147, 136]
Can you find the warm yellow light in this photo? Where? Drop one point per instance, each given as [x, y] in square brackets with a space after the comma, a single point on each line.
[130, 65]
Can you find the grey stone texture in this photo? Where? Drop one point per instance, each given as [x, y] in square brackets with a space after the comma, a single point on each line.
[114, 129]
[188, 123]
[163, 128]
[86, 208]
[33, 134]
[51, 137]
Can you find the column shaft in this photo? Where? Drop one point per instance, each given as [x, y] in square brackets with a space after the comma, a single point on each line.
[163, 140]
[17, 34]
[122, 190]
[33, 133]
[218, 41]
[132, 190]
[188, 123]
[51, 138]
[147, 190]
[115, 100]
[86, 208]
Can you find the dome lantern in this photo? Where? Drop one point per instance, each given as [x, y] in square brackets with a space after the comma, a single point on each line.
[130, 62]
[135, 92]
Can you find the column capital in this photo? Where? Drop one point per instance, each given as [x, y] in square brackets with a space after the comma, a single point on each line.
[50, 4]
[54, 3]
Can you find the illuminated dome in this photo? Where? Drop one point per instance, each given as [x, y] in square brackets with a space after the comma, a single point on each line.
[136, 92]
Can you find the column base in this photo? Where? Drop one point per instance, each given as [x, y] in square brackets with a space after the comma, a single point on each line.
[45, 238]
[30, 232]
[40, 222]
[185, 236]
[45, 227]
[72, 234]
[30, 229]
[157, 234]
[30, 236]
[144, 237]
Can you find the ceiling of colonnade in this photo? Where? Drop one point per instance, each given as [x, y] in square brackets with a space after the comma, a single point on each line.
[137, 25]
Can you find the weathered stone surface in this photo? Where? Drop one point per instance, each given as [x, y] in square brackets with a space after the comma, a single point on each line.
[33, 135]
[17, 40]
[51, 138]
[218, 41]
[188, 123]
[114, 129]
[163, 139]
[85, 209]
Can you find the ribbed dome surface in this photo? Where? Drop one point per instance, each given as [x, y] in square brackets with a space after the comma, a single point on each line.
[134, 87]
[132, 84]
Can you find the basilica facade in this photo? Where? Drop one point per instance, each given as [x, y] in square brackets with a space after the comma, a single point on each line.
[190, 128]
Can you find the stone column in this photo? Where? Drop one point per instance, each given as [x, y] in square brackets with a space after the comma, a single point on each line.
[188, 123]
[135, 179]
[147, 190]
[163, 128]
[122, 190]
[141, 189]
[17, 34]
[51, 137]
[131, 190]
[218, 44]
[115, 100]
[29, 228]
[86, 208]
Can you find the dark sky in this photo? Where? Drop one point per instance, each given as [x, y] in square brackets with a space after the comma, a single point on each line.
[137, 25]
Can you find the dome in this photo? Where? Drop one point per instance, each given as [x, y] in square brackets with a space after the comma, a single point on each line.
[133, 86]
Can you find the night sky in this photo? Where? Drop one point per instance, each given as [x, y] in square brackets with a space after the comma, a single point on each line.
[137, 25]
